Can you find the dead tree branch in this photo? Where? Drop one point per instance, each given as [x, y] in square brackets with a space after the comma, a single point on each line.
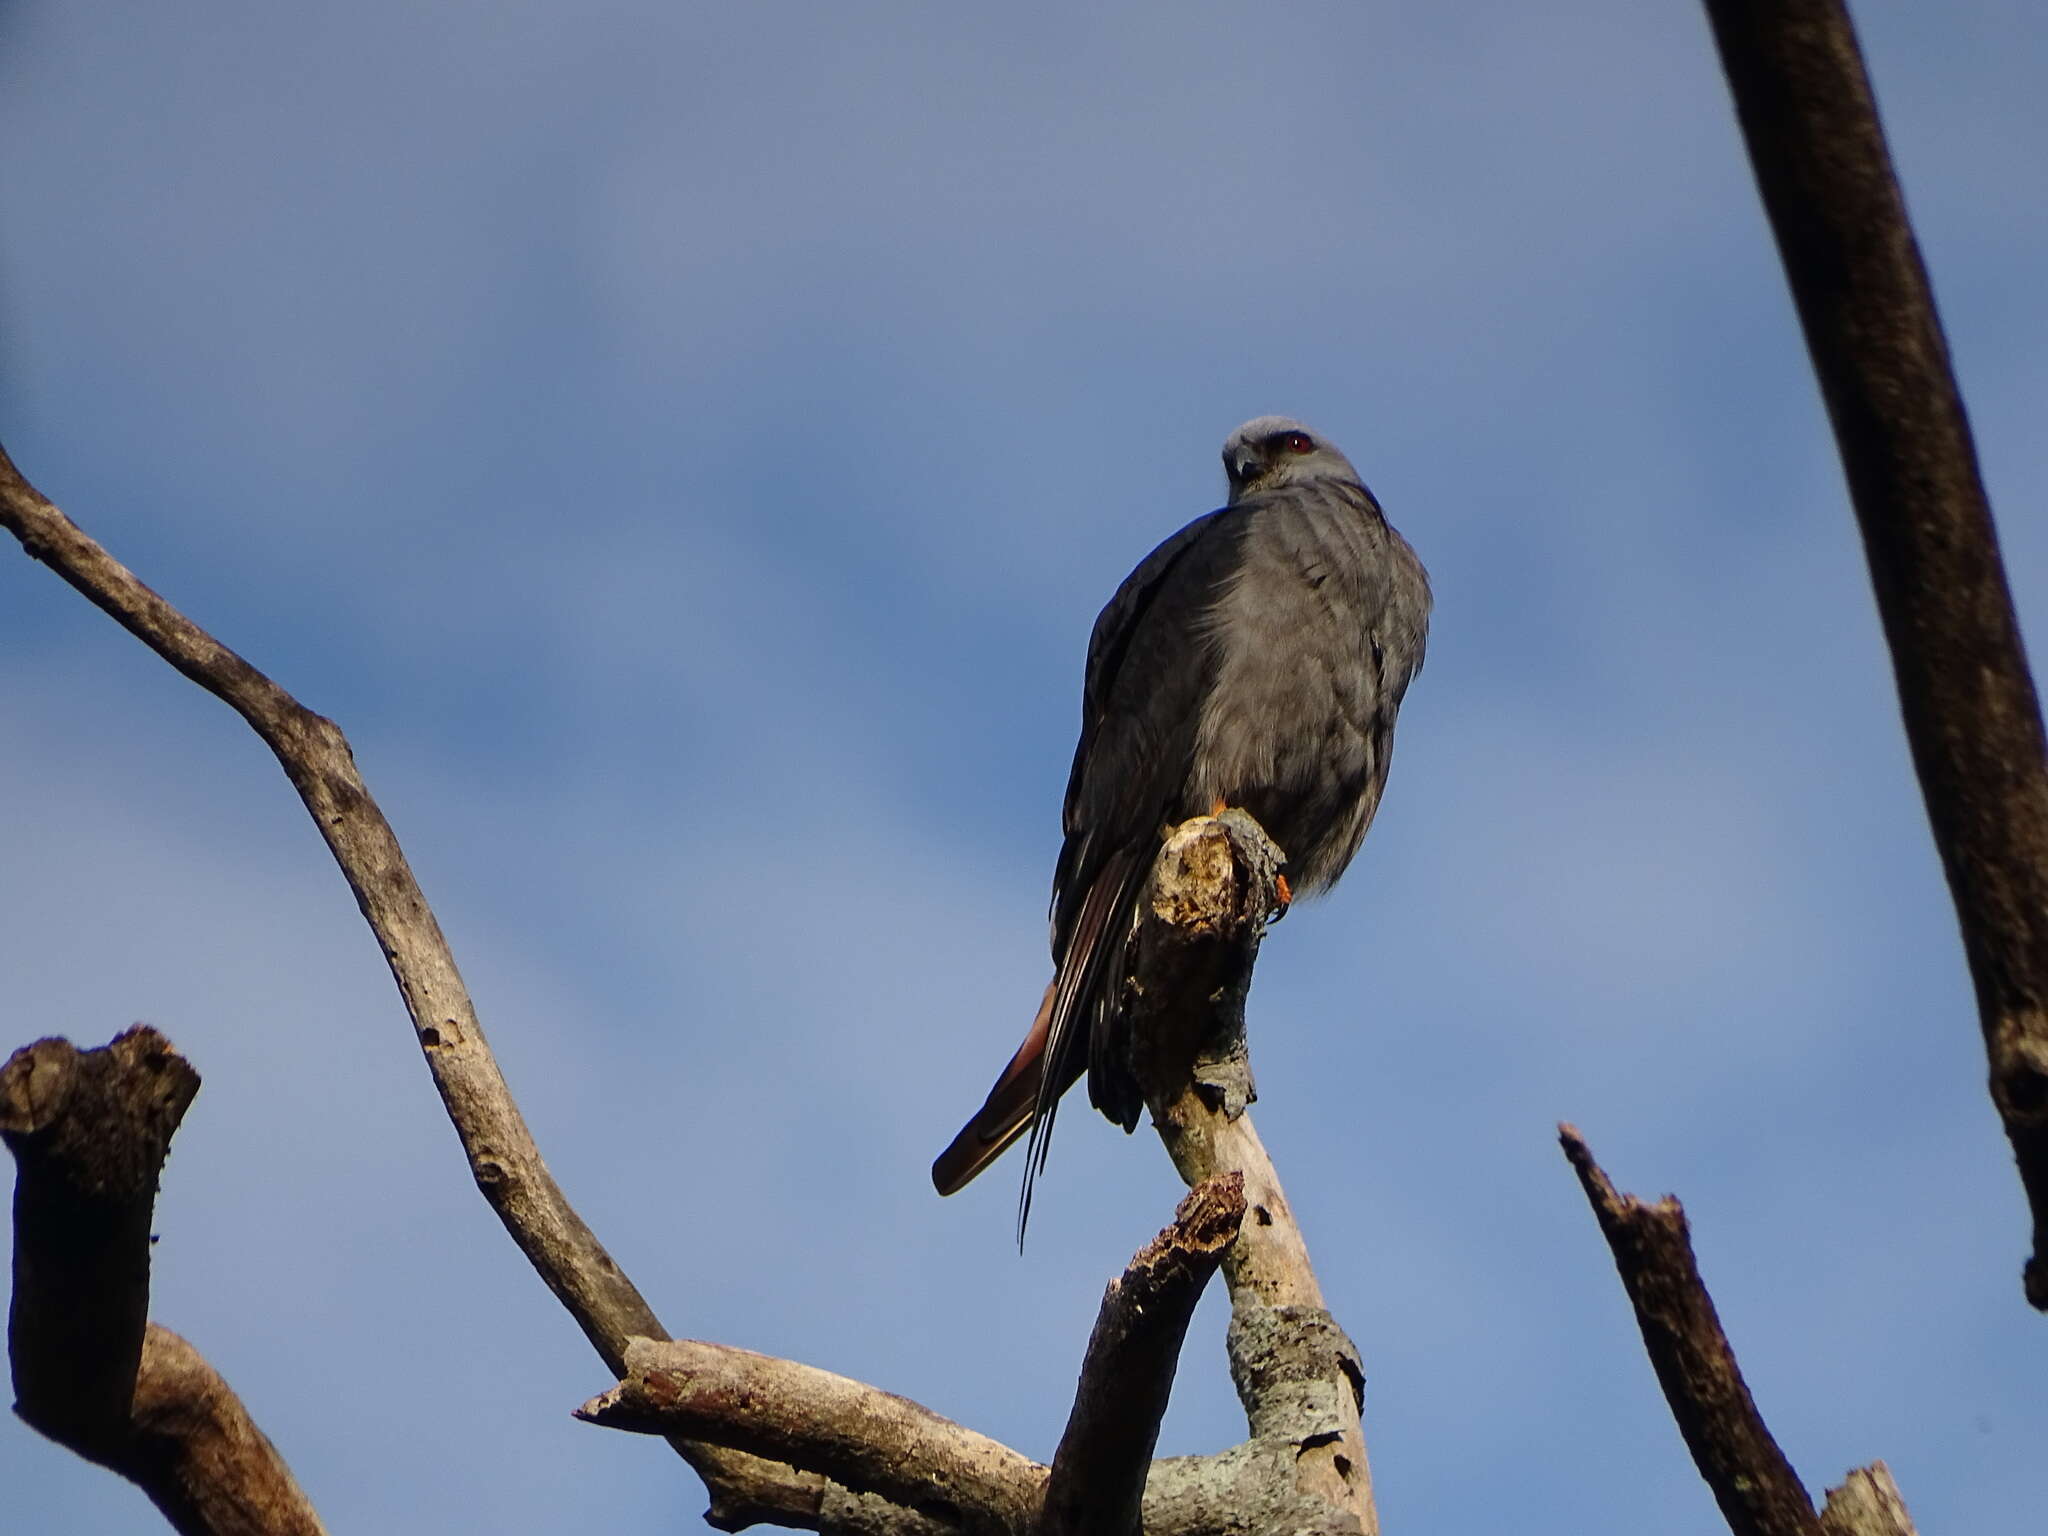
[315, 756]
[89, 1131]
[1300, 1379]
[1759, 1493]
[1304, 1467]
[1097, 1485]
[878, 1463]
[1965, 691]
[865, 1439]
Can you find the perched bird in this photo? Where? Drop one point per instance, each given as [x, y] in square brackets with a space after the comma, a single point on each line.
[1255, 659]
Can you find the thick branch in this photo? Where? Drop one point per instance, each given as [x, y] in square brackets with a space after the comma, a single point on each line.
[1198, 935]
[1759, 1493]
[1304, 1469]
[832, 1454]
[1097, 1486]
[315, 756]
[201, 1458]
[842, 1456]
[865, 1439]
[89, 1131]
[1965, 691]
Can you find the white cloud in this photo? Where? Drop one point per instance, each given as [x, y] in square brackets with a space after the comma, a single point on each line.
[685, 451]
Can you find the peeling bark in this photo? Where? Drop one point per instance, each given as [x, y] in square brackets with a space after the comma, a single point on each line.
[1097, 1485]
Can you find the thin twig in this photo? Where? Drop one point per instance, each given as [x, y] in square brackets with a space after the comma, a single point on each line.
[1965, 691]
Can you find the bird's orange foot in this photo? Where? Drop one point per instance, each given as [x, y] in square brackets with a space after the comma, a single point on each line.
[1286, 892]
[1219, 807]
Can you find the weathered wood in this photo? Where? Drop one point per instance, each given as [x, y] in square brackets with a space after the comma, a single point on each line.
[89, 1131]
[1097, 1485]
[503, 1159]
[1867, 1504]
[862, 1438]
[1304, 1470]
[1965, 690]
[1300, 1379]
[1759, 1493]
[1751, 1479]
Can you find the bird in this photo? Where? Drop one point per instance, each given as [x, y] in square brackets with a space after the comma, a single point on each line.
[1256, 659]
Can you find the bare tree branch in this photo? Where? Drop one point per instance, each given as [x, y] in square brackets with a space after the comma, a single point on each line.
[315, 756]
[1752, 1481]
[851, 1458]
[756, 1492]
[201, 1458]
[1097, 1486]
[1759, 1493]
[863, 1438]
[1965, 691]
[1198, 935]
[1298, 1376]
[89, 1131]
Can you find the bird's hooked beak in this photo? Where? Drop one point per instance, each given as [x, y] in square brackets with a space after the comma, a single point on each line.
[1241, 469]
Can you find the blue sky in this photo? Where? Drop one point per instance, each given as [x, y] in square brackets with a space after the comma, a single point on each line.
[685, 448]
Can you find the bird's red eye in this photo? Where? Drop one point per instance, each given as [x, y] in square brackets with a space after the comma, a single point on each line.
[1299, 442]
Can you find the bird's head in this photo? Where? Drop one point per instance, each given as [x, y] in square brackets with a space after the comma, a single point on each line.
[1273, 451]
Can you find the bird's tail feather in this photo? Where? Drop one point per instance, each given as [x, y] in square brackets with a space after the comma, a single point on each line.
[1024, 1098]
[1005, 1116]
[1090, 971]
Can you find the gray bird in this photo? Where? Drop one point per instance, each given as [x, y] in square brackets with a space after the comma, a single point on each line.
[1255, 659]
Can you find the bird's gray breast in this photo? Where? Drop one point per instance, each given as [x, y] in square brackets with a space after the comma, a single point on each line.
[1312, 641]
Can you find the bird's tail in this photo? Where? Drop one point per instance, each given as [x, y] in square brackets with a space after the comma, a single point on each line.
[1004, 1117]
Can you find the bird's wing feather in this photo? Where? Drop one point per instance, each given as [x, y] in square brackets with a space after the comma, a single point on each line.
[1147, 669]
[1137, 712]
[1148, 665]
